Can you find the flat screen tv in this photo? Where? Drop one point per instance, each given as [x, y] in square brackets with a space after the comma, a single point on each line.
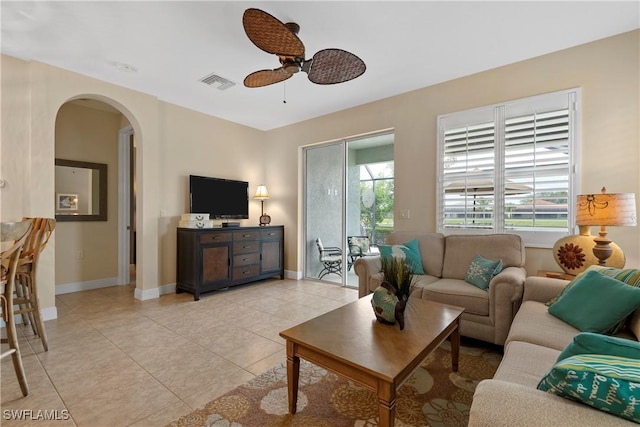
[220, 198]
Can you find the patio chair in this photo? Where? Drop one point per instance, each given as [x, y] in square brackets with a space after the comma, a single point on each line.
[331, 259]
[359, 246]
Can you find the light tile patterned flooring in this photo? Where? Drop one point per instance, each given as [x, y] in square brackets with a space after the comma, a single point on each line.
[117, 361]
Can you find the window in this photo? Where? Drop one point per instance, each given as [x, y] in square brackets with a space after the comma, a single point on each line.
[376, 210]
[510, 168]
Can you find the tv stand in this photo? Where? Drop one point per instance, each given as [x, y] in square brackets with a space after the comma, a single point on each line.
[215, 258]
[230, 224]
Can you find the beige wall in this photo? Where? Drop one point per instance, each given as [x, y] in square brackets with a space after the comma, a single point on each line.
[173, 142]
[88, 135]
[198, 144]
[607, 71]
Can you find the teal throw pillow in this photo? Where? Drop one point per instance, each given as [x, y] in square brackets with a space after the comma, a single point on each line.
[410, 251]
[590, 343]
[630, 276]
[596, 303]
[481, 271]
[569, 285]
[608, 383]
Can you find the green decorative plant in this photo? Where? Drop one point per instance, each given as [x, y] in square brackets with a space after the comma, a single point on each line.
[397, 273]
[390, 298]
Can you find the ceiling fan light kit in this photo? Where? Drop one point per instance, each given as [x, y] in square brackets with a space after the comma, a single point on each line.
[328, 66]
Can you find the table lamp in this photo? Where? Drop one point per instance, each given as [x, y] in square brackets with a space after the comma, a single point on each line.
[262, 194]
[605, 209]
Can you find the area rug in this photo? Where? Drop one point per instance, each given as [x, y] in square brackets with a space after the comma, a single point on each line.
[432, 396]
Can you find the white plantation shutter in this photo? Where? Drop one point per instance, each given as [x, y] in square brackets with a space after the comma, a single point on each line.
[509, 168]
[469, 156]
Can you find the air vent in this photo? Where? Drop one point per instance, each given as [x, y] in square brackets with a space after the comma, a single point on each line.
[215, 80]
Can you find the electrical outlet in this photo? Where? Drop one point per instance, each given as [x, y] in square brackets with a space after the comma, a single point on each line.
[79, 255]
[404, 213]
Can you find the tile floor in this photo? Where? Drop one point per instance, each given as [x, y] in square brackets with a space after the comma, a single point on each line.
[117, 361]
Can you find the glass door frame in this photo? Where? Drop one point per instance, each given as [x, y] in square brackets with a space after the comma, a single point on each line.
[343, 188]
[344, 144]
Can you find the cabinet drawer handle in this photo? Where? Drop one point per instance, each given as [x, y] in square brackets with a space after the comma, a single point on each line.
[246, 272]
[245, 259]
[271, 234]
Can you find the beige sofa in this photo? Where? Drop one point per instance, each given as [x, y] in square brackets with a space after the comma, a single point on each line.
[445, 260]
[534, 343]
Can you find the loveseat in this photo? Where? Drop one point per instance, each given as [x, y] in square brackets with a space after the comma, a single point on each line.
[445, 262]
[533, 345]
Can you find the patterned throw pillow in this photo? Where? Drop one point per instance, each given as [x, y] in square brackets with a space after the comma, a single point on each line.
[590, 343]
[608, 383]
[481, 271]
[596, 303]
[360, 244]
[410, 251]
[630, 276]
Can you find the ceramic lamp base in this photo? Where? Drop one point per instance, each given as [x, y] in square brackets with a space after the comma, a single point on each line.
[574, 254]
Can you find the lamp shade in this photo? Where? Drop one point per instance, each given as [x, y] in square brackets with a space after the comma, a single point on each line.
[261, 193]
[606, 209]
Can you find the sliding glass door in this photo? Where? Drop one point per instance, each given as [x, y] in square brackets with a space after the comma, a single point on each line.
[348, 203]
[324, 207]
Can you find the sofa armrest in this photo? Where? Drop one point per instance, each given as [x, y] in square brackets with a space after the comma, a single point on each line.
[511, 282]
[505, 297]
[500, 403]
[542, 289]
[364, 268]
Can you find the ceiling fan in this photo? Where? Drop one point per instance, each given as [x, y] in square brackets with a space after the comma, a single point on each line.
[328, 66]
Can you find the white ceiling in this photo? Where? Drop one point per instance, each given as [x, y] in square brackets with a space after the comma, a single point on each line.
[406, 46]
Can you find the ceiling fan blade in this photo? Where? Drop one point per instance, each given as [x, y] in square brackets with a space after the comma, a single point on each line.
[271, 35]
[330, 66]
[266, 77]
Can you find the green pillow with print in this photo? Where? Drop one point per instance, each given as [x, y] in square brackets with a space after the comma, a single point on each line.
[607, 383]
[481, 271]
[409, 251]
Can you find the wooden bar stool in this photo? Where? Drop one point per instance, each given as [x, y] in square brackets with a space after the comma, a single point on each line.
[26, 285]
[14, 234]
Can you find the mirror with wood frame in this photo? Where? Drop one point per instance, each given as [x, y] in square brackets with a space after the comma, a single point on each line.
[81, 191]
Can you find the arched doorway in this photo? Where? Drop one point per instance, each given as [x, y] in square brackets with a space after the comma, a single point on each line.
[90, 253]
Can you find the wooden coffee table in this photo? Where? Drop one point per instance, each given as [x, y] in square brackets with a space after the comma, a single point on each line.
[350, 342]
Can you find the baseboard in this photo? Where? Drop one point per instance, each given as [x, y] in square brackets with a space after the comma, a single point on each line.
[147, 294]
[295, 275]
[68, 288]
[167, 289]
[49, 313]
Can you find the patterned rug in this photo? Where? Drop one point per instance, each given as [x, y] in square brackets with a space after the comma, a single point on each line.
[432, 396]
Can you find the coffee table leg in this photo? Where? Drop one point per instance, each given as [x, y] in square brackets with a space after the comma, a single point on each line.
[455, 346]
[386, 404]
[293, 375]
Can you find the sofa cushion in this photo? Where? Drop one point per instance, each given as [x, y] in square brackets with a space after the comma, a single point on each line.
[461, 249]
[409, 251]
[534, 324]
[481, 271]
[504, 404]
[608, 383]
[525, 363]
[590, 343]
[457, 292]
[596, 303]
[419, 282]
[431, 248]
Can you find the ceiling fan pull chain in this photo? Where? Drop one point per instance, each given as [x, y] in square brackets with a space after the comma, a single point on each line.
[284, 92]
